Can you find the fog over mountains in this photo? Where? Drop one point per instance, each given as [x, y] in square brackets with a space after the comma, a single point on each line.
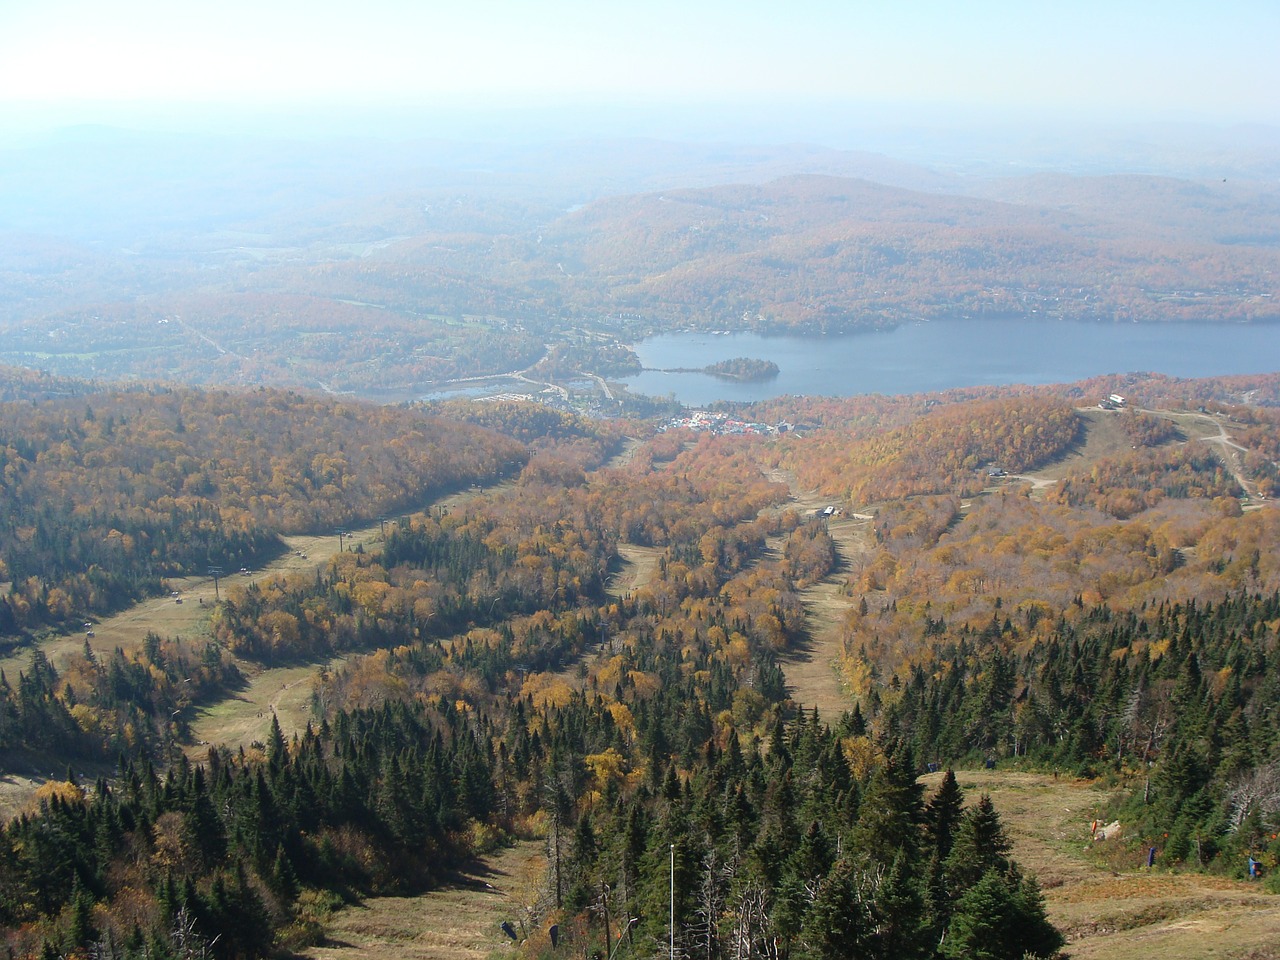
[264, 246]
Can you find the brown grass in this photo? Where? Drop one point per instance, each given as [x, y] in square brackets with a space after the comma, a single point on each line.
[189, 619]
[1120, 914]
[16, 790]
[812, 668]
[457, 922]
[638, 566]
[1103, 438]
[241, 719]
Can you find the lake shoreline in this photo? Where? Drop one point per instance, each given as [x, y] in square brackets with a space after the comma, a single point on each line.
[929, 356]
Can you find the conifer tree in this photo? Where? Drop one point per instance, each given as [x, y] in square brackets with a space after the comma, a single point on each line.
[887, 819]
[981, 846]
[943, 814]
[838, 925]
[898, 931]
[1000, 918]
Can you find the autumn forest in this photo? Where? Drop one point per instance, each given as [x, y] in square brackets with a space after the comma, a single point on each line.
[576, 631]
[352, 605]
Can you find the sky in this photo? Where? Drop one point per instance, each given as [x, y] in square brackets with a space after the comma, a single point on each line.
[87, 61]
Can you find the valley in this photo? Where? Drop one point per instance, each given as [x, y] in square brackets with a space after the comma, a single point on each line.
[740, 582]
[564, 485]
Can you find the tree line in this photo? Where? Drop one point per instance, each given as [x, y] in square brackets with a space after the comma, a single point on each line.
[793, 838]
[104, 495]
[1180, 699]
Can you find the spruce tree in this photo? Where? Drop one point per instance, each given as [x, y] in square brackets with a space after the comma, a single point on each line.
[838, 925]
[1000, 918]
[943, 813]
[898, 915]
[981, 845]
[886, 823]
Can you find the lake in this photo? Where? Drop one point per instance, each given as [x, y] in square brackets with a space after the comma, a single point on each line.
[942, 354]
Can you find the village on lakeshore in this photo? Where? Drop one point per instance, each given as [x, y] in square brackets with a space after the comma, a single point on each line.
[703, 421]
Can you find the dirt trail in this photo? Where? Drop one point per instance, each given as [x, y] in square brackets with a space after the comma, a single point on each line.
[638, 566]
[1119, 914]
[457, 922]
[246, 715]
[811, 668]
[1228, 450]
[1104, 438]
[190, 617]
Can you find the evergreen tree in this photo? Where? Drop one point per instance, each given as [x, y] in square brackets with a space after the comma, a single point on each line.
[981, 846]
[80, 931]
[1000, 918]
[943, 814]
[888, 819]
[838, 925]
[899, 930]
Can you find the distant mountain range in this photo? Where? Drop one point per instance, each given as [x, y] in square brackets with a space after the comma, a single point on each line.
[828, 253]
[268, 252]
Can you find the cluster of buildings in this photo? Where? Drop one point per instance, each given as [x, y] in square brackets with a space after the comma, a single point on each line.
[703, 421]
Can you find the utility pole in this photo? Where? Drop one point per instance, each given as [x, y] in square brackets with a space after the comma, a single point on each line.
[625, 930]
[215, 572]
[673, 902]
[604, 901]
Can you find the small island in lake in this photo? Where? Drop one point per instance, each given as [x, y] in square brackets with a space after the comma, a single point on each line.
[743, 368]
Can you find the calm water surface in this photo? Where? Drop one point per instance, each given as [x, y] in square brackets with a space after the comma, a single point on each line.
[923, 357]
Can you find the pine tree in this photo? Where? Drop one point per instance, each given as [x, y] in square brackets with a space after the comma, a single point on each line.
[1000, 918]
[838, 924]
[981, 845]
[943, 814]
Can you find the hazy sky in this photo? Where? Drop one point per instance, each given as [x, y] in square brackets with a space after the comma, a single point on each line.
[1199, 60]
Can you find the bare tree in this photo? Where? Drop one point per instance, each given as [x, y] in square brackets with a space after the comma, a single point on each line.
[187, 943]
[753, 935]
[1148, 718]
[1258, 790]
[716, 877]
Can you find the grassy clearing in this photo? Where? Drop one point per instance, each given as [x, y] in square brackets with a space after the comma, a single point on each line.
[1111, 914]
[1103, 438]
[284, 692]
[16, 792]
[812, 668]
[457, 922]
[638, 566]
[188, 619]
[128, 628]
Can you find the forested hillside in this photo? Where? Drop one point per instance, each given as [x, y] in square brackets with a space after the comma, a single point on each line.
[1195, 686]
[106, 494]
[824, 253]
[442, 276]
[679, 733]
[481, 676]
